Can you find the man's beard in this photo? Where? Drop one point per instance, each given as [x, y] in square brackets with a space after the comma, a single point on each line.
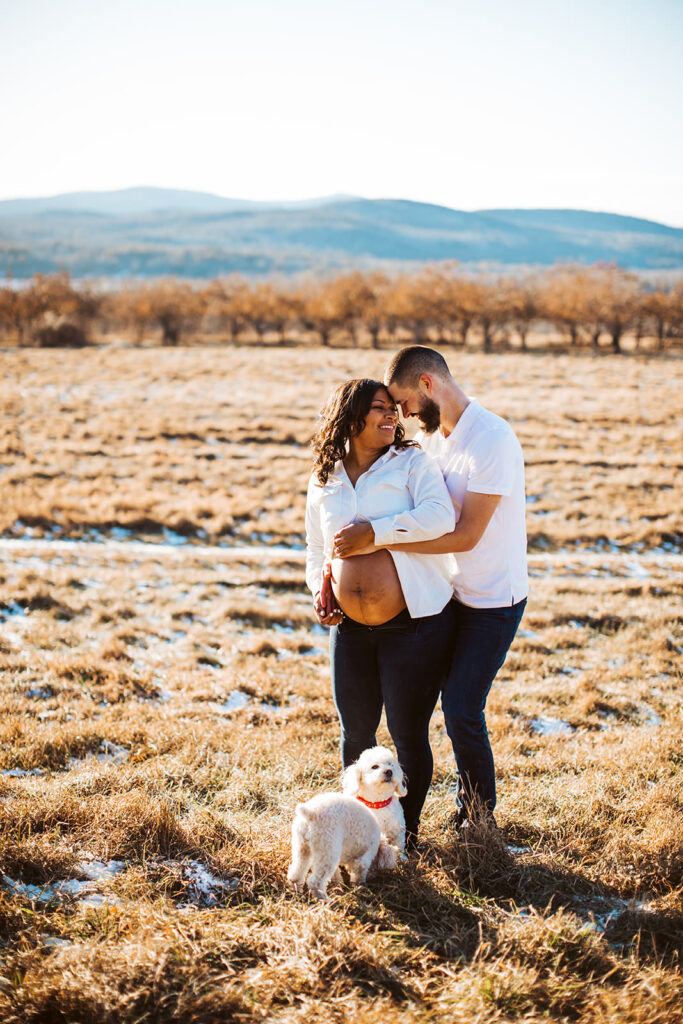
[429, 415]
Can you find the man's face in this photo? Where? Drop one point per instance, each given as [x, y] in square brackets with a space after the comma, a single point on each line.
[413, 402]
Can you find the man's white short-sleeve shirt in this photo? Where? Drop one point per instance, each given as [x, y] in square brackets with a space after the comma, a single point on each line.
[482, 454]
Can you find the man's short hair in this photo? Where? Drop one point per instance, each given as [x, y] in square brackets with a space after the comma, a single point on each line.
[407, 366]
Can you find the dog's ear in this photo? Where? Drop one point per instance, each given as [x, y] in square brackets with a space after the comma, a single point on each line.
[351, 780]
[401, 788]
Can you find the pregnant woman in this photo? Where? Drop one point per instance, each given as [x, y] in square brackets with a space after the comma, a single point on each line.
[390, 643]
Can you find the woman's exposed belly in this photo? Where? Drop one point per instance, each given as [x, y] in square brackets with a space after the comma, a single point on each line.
[367, 587]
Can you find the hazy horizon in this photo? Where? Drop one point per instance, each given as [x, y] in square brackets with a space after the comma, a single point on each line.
[274, 201]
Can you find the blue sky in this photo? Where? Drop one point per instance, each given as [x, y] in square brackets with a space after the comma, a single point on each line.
[469, 104]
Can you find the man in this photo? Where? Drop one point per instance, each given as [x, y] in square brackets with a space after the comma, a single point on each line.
[483, 466]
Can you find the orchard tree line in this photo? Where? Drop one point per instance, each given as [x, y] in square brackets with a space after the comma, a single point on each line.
[595, 306]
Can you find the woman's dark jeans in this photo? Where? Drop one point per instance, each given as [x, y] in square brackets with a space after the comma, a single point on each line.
[481, 639]
[401, 665]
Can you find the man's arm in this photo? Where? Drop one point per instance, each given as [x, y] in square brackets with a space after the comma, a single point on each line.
[477, 509]
[431, 514]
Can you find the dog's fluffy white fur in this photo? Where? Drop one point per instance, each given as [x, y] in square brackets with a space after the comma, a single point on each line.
[376, 776]
[336, 829]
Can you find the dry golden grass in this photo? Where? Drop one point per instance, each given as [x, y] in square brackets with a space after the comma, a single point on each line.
[166, 706]
[212, 443]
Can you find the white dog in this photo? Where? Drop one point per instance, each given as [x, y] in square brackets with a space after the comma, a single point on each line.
[376, 780]
[355, 828]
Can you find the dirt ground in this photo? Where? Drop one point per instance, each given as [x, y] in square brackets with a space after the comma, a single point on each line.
[166, 703]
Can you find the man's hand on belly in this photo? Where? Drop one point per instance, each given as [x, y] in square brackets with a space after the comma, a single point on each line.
[354, 539]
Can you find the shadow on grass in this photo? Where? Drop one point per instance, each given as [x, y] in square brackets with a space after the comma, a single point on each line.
[483, 867]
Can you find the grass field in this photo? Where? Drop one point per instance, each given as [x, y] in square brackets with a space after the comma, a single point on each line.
[166, 703]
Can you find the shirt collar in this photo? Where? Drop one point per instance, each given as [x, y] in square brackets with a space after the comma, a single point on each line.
[339, 473]
[464, 423]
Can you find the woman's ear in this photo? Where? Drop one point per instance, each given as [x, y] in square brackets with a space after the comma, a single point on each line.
[401, 788]
[351, 780]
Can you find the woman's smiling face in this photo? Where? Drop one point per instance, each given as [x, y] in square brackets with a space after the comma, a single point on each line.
[381, 421]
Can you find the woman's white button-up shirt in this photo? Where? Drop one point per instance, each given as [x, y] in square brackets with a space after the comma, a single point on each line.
[404, 495]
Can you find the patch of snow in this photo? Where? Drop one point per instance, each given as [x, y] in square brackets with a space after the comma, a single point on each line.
[98, 899]
[116, 533]
[10, 610]
[39, 692]
[634, 568]
[96, 870]
[110, 753]
[236, 700]
[81, 890]
[546, 726]
[54, 940]
[173, 538]
[286, 627]
[597, 919]
[649, 715]
[206, 888]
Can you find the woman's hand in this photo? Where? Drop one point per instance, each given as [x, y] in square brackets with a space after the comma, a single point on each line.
[326, 618]
[354, 539]
[325, 603]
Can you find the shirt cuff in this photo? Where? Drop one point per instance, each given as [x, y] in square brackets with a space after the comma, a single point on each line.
[384, 531]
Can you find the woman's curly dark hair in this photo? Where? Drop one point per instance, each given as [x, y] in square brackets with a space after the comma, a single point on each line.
[343, 417]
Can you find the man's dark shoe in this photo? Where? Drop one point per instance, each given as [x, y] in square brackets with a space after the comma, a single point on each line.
[456, 820]
[458, 824]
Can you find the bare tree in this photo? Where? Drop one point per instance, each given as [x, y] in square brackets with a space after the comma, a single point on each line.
[492, 313]
[328, 306]
[522, 304]
[663, 310]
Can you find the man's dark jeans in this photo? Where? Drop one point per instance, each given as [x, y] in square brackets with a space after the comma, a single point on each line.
[481, 639]
[401, 665]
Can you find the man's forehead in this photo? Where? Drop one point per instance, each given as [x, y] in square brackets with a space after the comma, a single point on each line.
[397, 392]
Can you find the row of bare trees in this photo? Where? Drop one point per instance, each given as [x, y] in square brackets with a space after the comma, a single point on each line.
[583, 305]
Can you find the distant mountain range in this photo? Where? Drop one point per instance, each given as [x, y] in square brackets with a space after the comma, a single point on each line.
[148, 232]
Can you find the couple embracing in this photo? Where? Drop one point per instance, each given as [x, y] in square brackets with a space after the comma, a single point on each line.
[416, 558]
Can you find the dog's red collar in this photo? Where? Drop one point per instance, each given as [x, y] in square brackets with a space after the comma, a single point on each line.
[375, 806]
